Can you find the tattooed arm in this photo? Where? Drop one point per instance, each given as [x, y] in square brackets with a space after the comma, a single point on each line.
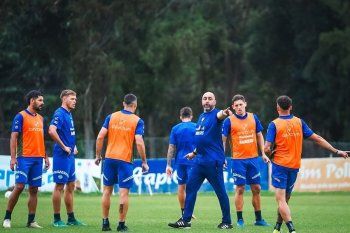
[170, 155]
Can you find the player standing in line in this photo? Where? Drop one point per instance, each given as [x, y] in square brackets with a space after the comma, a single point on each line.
[209, 162]
[62, 131]
[287, 133]
[245, 132]
[27, 153]
[123, 128]
[181, 142]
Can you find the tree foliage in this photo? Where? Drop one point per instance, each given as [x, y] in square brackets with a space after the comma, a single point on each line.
[168, 52]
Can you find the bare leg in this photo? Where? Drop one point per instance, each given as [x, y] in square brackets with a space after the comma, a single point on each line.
[14, 197]
[239, 197]
[181, 195]
[56, 198]
[106, 200]
[283, 207]
[256, 196]
[33, 199]
[68, 196]
[123, 203]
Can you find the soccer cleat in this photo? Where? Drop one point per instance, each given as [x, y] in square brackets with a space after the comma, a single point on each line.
[240, 223]
[106, 227]
[59, 223]
[34, 225]
[75, 222]
[7, 223]
[122, 228]
[276, 231]
[225, 226]
[261, 222]
[180, 224]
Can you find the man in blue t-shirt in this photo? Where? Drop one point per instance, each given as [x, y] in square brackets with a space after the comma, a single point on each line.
[181, 143]
[62, 131]
[210, 159]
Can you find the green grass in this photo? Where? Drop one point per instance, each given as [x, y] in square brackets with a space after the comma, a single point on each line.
[322, 212]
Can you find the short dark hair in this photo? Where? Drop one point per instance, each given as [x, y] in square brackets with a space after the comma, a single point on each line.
[129, 99]
[67, 93]
[238, 97]
[33, 94]
[185, 112]
[284, 102]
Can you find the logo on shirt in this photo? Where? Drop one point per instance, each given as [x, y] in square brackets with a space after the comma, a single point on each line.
[36, 127]
[122, 122]
[290, 132]
[120, 125]
[200, 129]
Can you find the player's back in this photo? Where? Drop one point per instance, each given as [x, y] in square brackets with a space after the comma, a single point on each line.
[183, 135]
[121, 134]
[288, 141]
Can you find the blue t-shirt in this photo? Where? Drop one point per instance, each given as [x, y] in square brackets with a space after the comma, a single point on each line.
[208, 139]
[271, 130]
[226, 129]
[63, 120]
[182, 136]
[140, 127]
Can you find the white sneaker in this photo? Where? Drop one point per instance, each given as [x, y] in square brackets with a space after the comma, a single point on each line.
[7, 223]
[34, 225]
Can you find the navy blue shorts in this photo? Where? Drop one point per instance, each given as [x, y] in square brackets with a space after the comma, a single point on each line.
[29, 171]
[63, 168]
[117, 172]
[283, 177]
[183, 171]
[246, 171]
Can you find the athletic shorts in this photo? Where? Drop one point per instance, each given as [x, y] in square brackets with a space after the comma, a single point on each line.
[246, 171]
[183, 172]
[283, 177]
[117, 172]
[29, 171]
[63, 168]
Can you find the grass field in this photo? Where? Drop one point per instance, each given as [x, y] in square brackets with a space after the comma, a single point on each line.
[321, 213]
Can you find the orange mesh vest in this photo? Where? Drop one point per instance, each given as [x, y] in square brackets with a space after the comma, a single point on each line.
[32, 135]
[288, 142]
[121, 135]
[243, 137]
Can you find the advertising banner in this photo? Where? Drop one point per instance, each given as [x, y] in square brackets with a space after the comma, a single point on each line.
[326, 174]
[85, 170]
[155, 181]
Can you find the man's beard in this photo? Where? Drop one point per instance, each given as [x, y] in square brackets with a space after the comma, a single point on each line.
[38, 108]
[208, 108]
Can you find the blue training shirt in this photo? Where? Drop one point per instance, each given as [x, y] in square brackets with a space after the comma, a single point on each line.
[140, 127]
[271, 130]
[226, 129]
[208, 139]
[182, 136]
[63, 120]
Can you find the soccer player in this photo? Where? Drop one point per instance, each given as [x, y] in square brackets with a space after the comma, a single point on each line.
[27, 143]
[245, 131]
[287, 133]
[209, 162]
[62, 131]
[123, 128]
[181, 143]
